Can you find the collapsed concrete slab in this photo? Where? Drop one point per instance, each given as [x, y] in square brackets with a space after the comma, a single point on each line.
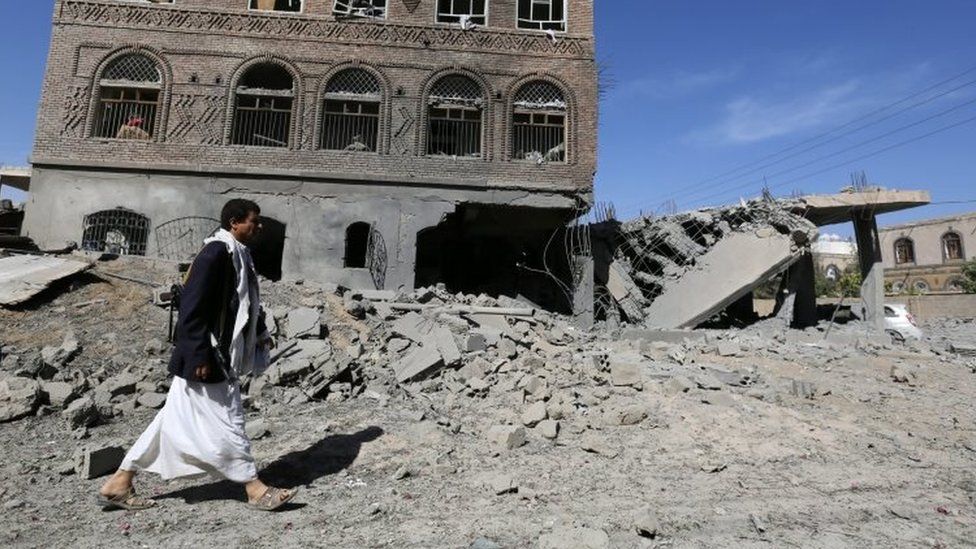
[24, 276]
[731, 269]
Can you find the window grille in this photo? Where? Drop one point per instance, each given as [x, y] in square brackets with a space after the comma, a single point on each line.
[459, 11]
[119, 231]
[128, 99]
[952, 247]
[542, 14]
[276, 5]
[539, 124]
[263, 107]
[455, 115]
[904, 251]
[180, 239]
[351, 112]
[360, 8]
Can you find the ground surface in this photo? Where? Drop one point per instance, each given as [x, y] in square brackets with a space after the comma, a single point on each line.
[868, 461]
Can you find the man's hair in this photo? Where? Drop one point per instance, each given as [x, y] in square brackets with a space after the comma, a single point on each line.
[237, 209]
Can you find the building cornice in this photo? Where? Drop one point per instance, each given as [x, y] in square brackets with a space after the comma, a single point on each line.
[319, 28]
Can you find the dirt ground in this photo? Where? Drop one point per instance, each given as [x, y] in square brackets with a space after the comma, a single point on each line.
[876, 448]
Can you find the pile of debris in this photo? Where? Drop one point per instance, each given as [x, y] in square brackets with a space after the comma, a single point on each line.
[678, 271]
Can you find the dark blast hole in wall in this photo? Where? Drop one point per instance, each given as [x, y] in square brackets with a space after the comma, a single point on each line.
[498, 250]
[268, 248]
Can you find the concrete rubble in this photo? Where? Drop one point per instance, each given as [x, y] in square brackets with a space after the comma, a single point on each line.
[423, 404]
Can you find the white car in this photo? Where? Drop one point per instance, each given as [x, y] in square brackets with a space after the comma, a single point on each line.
[900, 324]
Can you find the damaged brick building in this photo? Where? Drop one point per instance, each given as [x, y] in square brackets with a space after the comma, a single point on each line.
[390, 143]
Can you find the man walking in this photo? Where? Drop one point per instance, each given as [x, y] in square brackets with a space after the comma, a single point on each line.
[221, 336]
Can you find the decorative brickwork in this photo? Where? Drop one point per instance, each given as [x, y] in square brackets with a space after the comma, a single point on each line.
[198, 119]
[74, 111]
[175, 18]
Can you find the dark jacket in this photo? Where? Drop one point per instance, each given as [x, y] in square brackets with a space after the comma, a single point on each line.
[209, 289]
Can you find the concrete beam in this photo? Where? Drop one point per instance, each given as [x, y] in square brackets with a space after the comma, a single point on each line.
[18, 178]
[836, 208]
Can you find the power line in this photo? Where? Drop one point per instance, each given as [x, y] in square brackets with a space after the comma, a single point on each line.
[841, 127]
[866, 142]
[694, 188]
[875, 153]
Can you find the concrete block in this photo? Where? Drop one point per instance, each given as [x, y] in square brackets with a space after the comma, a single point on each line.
[256, 430]
[624, 374]
[442, 338]
[728, 348]
[492, 337]
[507, 349]
[626, 415]
[122, 384]
[474, 369]
[94, 463]
[417, 363]
[548, 429]
[411, 326]
[58, 393]
[534, 414]
[82, 413]
[506, 437]
[475, 342]
[153, 401]
[303, 322]
[503, 484]
[19, 398]
[397, 344]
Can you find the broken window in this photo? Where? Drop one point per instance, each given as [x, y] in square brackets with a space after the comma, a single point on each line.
[360, 8]
[454, 127]
[351, 116]
[462, 11]
[542, 14]
[952, 247]
[129, 90]
[263, 108]
[119, 231]
[276, 5]
[904, 251]
[539, 123]
[357, 244]
[268, 248]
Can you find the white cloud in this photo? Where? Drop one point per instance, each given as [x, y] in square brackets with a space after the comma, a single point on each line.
[677, 84]
[753, 118]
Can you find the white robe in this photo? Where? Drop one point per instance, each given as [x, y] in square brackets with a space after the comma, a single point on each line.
[200, 431]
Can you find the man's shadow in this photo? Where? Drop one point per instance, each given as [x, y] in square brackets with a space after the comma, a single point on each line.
[326, 457]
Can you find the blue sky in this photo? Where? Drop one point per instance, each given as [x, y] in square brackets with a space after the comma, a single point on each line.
[702, 88]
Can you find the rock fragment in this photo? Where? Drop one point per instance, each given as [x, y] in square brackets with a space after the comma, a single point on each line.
[94, 463]
[506, 437]
[534, 414]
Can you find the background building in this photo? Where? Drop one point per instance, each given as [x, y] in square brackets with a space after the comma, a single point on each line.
[832, 255]
[927, 256]
[390, 143]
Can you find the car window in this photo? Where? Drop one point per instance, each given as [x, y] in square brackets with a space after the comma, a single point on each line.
[890, 313]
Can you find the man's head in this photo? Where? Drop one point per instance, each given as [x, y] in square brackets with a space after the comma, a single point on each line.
[242, 218]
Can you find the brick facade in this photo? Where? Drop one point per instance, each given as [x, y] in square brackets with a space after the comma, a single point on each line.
[426, 212]
[202, 47]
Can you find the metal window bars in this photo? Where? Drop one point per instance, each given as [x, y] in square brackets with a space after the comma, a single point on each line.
[542, 15]
[461, 11]
[455, 117]
[539, 123]
[128, 99]
[263, 107]
[373, 9]
[351, 112]
[180, 239]
[904, 251]
[119, 231]
[952, 247]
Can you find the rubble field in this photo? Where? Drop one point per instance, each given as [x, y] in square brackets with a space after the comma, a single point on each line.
[447, 421]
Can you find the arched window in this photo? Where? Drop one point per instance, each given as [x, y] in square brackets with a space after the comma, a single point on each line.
[352, 112]
[898, 287]
[455, 117]
[119, 231]
[921, 286]
[128, 100]
[263, 107]
[904, 251]
[357, 245]
[952, 247]
[539, 123]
